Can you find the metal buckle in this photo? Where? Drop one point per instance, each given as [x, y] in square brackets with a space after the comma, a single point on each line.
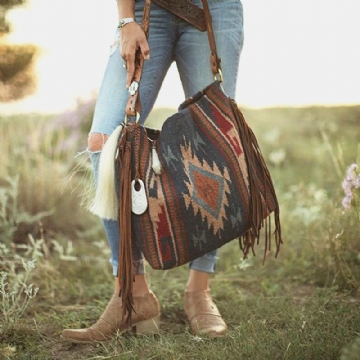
[127, 117]
[219, 76]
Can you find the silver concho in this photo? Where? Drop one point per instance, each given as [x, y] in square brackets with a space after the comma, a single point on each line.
[138, 197]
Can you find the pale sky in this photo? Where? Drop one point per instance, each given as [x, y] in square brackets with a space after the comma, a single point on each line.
[296, 53]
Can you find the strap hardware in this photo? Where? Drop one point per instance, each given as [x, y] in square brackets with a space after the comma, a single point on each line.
[133, 88]
[219, 76]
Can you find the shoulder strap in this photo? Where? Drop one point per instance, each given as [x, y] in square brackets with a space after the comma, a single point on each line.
[215, 61]
[133, 104]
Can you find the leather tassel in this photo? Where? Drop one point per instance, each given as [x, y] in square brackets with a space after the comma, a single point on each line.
[126, 266]
[156, 164]
[258, 209]
[105, 203]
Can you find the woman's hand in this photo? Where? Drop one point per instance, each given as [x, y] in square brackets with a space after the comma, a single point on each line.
[132, 37]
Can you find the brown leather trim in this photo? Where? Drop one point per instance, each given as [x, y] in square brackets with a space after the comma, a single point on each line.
[214, 59]
[186, 11]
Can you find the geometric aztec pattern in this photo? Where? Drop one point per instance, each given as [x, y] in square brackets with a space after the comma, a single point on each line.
[207, 189]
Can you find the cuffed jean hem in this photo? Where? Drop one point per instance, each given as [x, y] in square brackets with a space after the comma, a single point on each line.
[206, 263]
[139, 267]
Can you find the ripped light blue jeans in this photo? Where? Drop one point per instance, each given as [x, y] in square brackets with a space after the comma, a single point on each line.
[170, 39]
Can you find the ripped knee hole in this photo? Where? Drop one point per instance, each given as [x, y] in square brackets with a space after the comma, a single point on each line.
[96, 141]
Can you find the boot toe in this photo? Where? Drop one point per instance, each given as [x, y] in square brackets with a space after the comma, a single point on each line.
[203, 314]
[82, 335]
[145, 319]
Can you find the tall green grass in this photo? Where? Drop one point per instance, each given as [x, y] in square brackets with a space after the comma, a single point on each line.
[302, 305]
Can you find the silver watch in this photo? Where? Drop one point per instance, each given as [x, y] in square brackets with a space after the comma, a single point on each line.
[125, 21]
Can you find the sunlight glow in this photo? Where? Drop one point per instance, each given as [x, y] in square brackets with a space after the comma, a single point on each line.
[295, 53]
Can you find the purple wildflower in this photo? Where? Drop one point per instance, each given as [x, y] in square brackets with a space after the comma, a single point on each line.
[347, 186]
[346, 201]
[351, 182]
[351, 169]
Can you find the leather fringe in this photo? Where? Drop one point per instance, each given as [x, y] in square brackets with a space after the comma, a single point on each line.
[126, 266]
[259, 213]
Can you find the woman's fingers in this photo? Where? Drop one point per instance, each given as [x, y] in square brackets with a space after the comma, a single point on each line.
[132, 38]
[144, 47]
[130, 67]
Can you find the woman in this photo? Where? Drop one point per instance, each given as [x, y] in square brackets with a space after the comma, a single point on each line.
[170, 39]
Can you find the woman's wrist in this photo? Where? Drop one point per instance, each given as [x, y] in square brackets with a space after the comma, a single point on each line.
[126, 9]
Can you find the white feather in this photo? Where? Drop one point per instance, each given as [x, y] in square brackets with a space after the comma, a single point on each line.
[105, 203]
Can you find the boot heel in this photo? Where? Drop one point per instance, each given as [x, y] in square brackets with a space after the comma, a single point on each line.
[149, 327]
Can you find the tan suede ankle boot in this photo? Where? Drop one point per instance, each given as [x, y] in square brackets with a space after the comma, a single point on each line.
[145, 320]
[203, 314]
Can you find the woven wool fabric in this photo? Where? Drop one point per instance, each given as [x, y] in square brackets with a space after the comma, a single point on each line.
[201, 199]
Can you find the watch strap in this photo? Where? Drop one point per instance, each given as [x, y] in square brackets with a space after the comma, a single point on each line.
[125, 21]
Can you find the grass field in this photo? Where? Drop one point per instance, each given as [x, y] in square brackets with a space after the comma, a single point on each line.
[302, 305]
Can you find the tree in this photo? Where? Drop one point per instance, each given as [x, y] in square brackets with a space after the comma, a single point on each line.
[17, 78]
